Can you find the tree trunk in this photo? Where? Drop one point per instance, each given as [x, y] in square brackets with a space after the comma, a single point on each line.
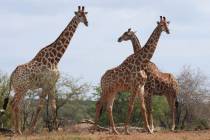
[184, 119]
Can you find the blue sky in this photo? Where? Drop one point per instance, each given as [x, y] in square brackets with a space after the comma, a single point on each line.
[27, 26]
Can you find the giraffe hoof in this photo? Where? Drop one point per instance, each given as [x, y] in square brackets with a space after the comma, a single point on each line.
[18, 132]
[150, 131]
[115, 132]
[30, 132]
[172, 129]
[127, 133]
[2, 110]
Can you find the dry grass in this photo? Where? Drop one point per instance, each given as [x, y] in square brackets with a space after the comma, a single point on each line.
[164, 135]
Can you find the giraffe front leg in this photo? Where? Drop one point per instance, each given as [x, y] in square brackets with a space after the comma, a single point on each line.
[148, 101]
[39, 108]
[54, 109]
[110, 115]
[171, 102]
[143, 109]
[130, 110]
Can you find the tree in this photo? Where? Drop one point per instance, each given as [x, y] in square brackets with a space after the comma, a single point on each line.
[192, 111]
[68, 89]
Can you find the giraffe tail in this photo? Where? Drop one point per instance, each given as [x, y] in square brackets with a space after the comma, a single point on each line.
[6, 99]
[101, 110]
[176, 103]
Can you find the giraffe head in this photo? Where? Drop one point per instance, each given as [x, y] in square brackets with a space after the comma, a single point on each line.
[126, 35]
[81, 14]
[163, 23]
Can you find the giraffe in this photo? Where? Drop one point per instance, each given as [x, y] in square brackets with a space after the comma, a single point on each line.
[158, 83]
[129, 76]
[42, 72]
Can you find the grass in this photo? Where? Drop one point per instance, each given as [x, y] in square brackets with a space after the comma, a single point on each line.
[163, 135]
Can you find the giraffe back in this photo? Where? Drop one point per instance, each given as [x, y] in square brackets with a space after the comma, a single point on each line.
[33, 75]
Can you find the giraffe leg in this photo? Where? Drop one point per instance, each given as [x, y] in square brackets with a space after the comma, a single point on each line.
[171, 102]
[148, 101]
[53, 108]
[16, 111]
[39, 108]
[143, 109]
[99, 108]
[173, 116]
[130, 110]
[110, 115]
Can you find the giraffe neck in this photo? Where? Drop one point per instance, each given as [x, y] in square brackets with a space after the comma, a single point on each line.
[136, 44]
[148, 50]
[52, 54]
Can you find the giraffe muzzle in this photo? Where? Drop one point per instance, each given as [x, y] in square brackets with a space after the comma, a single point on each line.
[120, 39]
[86, 24]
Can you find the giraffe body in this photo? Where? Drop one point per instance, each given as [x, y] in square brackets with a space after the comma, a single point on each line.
[157, 83]
[161, 84]
[42, 72]
[129, 76]
[33, 75]
[126, 77]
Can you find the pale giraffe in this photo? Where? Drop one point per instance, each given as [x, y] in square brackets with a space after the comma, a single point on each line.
[42, 72]
[129, 76]
[158, 83]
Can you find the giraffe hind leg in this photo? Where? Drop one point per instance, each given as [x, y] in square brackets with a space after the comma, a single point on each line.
[173, 111]
[15, 104]
[99, 108]
[130, 110]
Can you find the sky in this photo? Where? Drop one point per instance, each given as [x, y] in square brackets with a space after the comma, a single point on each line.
[27, 26]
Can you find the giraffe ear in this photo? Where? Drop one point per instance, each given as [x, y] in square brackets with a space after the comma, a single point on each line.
[168, 22]
[75, 13]
[86, 13]
[129, 29]
[158, 22]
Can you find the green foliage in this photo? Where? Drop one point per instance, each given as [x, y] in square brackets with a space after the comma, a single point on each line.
[160, 110]
[77, 110]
